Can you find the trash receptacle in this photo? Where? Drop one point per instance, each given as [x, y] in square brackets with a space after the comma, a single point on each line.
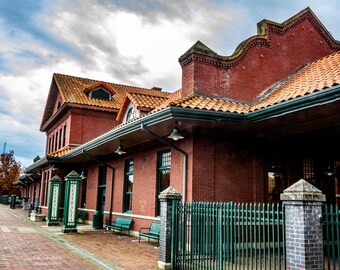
[12, 202]
[97, 220]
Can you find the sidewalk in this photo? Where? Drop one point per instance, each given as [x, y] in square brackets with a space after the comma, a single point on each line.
[32, 245]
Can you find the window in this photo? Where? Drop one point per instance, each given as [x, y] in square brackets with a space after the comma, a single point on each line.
[56, 141]
[100, 94]
[47, 177]
[131, 114]
[52, 150]
[64, 138]
[163, 175]
[308, 169]
[128, 185]
[60, 131]
[49, 145]
[101, 188]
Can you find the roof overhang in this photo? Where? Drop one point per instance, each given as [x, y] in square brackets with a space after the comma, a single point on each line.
[307, 111]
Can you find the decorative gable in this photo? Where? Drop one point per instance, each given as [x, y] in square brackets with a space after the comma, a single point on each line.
[135, 105]
[278, 49]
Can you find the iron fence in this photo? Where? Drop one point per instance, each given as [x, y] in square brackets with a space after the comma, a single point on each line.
[228, 236]
[331, 236]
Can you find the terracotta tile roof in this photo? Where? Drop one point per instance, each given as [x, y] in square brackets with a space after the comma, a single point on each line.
[174, 96]
[316, 76]
[62, 151]
[72, 90]
[143, 101]
[195, 101]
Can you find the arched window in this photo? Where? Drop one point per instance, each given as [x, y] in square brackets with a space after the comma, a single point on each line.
[131, 114]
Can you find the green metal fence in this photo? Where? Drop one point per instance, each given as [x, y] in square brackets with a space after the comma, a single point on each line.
[227, 236]
[331, 236]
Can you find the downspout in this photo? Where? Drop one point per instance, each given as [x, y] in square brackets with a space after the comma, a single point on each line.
[185, 157]
[112, 180]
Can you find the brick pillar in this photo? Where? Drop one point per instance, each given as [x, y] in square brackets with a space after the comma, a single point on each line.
[166, 198]
[303, 228]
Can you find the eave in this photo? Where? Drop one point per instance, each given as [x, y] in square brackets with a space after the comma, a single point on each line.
[300, 103]
[131, 132]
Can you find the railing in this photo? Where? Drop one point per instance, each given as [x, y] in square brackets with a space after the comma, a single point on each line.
[228, 236]
[331, 231]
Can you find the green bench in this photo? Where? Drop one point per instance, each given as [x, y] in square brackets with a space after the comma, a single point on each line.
[152, 232]
[120, 224]
[82, 215]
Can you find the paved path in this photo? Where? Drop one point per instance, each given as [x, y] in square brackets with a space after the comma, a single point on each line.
[32, 245]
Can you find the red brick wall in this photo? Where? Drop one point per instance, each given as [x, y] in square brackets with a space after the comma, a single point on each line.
[226, 169]
[86, 125]
[261, 66]
[144, 187]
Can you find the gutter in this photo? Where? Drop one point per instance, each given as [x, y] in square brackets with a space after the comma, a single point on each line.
[185, 157]
[319, 98]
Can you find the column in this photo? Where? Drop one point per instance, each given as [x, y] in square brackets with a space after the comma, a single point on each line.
[166, 198]
[303, 226]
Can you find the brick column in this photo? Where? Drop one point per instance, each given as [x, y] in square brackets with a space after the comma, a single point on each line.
[166, 198]
[303, 226]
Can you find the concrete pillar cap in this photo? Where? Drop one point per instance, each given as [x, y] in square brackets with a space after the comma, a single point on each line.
[72, 174]
[170, 194]
[302, 191]
[55, 178]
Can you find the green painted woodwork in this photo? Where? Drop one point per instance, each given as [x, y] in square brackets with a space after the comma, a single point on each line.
[72, 182]
[54, 200]
[228, 236]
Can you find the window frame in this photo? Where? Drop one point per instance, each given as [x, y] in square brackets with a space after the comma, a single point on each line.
[127, 198]
[100, 89]
[160, 169]
[131, 114]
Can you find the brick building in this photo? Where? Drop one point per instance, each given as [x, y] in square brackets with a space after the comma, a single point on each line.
[252, 124]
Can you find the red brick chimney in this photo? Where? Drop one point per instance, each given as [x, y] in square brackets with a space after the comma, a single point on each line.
[258, 62]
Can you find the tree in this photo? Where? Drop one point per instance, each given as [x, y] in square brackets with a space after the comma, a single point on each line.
[9, 172]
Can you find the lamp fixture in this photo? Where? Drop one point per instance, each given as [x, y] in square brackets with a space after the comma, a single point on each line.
[54, 168]
[120, 150]
[175, 134]
[329, 171]
[83, 175]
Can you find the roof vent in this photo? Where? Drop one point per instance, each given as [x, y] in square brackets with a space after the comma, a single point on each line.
[156, 88]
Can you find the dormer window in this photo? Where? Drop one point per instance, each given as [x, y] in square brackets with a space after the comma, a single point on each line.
[131, 114]
[100, 94]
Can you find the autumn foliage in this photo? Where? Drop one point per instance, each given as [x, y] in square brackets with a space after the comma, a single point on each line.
[9, 173]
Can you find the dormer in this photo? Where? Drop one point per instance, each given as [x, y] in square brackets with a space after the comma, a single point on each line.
[99, 91]
[136, 105]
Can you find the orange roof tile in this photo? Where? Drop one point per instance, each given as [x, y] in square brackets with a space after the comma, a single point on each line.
[316, 76]
[146, 101]
[72, 91]
[195, 101]
[61, 151]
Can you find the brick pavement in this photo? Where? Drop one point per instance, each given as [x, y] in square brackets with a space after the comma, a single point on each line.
[30, 245]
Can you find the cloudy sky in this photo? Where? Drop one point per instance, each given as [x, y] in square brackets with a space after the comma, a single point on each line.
[134, 42]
